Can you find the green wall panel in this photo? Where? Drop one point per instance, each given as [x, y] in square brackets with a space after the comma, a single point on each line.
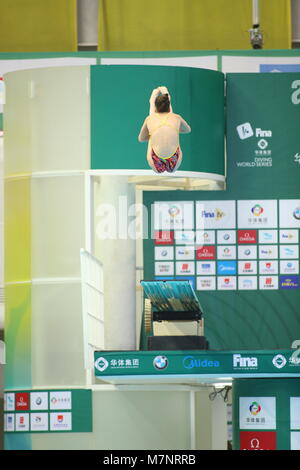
[274, 412]
[268, 104]
[120, 103]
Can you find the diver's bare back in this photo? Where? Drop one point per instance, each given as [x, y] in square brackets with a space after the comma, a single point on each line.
[164, 129]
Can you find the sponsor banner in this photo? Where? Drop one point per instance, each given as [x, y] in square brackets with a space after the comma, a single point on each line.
[185, 252]
[268, 282]
[257, 440]
[247, 252]
[267, 236]
[295, 440]
[289, 236]
[9, 422]
[164, 253]
[268, 251]
[248, 64]
[247, 267]
[247, 283]
[187, 268]
[226, 252]
[206, 283]
[289, 267]
[268, 267]
[227, 283]
[257, 413]
[174, 215]
[164, 269]
[280, 67]
[257, 214]
[39, 400]
[163, 237]
[190, 279]
[226, 268]
[289, 213]
[206, 252]
[247, 236]
[22, 401]
[206, 267]
[39, 422]
[295, 412]
[184, 237]
[205, 237]
[229, 363]
[9, 402]
[289, 282]
[65, 406]
[215, 215]
[226, 237]
[60, 400]
[22, 422]
[60, 421]
[289, 252]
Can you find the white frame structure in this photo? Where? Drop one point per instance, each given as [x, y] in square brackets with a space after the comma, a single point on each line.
[92, 288]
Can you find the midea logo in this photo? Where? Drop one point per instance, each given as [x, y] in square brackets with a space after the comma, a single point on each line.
[190, 362]
[239, 361]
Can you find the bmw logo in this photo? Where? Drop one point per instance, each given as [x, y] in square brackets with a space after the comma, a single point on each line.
[38, 401]
[296, 213]
[226, 236]
[247, 252]
[160, 362]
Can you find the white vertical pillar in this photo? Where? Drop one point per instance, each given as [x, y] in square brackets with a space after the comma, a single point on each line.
[219, 424]
[115, 247]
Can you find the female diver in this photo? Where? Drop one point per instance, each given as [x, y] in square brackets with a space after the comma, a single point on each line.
[161, 128]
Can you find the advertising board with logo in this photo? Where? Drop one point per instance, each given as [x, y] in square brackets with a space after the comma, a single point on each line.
[231, 364]
[174, 215]
[48, 411]
[257, 413]
[257, 216]
[251, 440]
[215, 214]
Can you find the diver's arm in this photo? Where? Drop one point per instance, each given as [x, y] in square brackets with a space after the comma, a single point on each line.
[144, 132]
[164, 91]
[152, 99]
[184, 127]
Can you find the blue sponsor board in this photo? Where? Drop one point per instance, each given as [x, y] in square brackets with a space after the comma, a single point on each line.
[186, 278]
[279, 67]
[289, 282]
[226, 268]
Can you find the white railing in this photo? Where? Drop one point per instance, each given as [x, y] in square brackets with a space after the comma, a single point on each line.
[92, 287]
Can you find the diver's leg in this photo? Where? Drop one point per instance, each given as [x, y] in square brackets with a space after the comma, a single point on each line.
[150, 160]
[179, 160]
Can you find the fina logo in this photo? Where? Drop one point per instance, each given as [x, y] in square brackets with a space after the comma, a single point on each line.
[279, 361]
[244, 362]
[101, 364]
[160, 362]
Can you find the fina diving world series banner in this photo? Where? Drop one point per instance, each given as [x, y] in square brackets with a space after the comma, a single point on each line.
[227, 363]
